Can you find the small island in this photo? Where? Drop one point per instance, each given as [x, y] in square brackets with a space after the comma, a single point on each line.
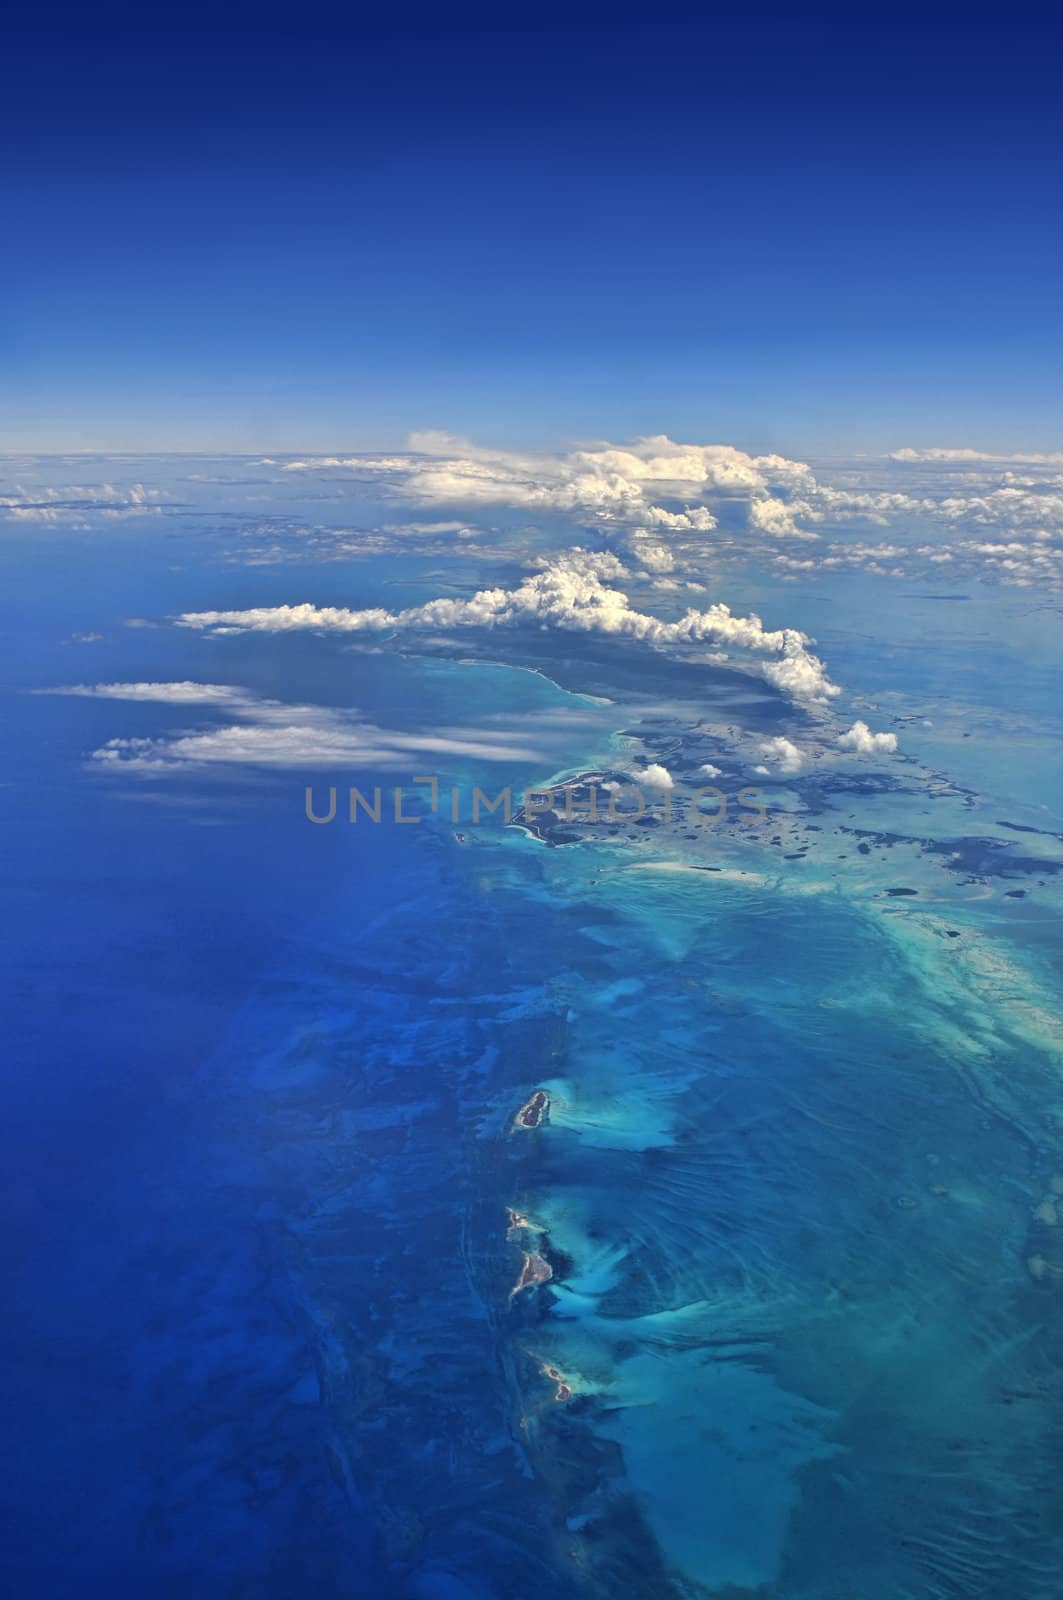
[532, 1113]
[534, 1270]
[562, 1389]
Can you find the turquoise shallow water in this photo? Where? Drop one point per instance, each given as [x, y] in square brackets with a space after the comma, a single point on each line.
[788, 1227]
[788, 1224]
[790, 1214]
[795, 1188]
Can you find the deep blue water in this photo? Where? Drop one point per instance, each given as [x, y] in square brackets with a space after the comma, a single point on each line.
[258, 1152]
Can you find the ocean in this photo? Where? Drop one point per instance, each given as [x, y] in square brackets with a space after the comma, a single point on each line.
[764, 1299]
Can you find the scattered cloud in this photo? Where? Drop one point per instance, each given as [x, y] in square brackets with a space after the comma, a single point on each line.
[656, 776]
[862, 742]
[72, 504]
[275, 540]
[300, 745]
[776, 517]
[271, 734]
[1054, 458]
[784, 753]
[650, 553]
[184, 693]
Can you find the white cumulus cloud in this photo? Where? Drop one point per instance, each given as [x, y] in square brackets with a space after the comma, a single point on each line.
[777, 517]
[784, 753]
[862, 742]
[571, 592]
[622, 483]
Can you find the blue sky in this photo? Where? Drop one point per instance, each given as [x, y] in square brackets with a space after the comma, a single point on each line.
[808, 231]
